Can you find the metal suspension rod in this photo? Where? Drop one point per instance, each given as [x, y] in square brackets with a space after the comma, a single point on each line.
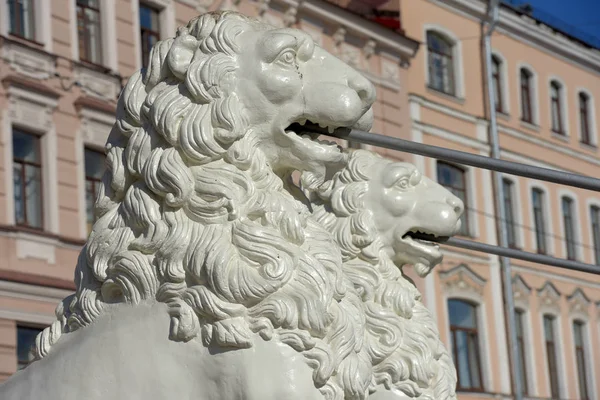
[461, 157]
[522, 255]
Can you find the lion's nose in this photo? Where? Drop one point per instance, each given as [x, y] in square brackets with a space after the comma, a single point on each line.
[364, 88]
[456, 203]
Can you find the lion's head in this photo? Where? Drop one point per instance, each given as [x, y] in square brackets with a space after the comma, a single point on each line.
[372, 207]
[193, 211]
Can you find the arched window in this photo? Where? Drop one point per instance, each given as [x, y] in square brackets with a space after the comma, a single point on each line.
[556, 107]
[569, 226]
[497, 83]
[580, 358]
[441, 63]
[454, 179]
[465, 344]
[519, 317]
[584, 118]
[550, 341]
[526, 78]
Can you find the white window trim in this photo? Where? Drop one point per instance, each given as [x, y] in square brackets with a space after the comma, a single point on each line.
[505, 87]
[42, 19]
[591, 116]
[456, 58]
[588, 204]
[529, 350]
[535, 101]
[589, 354]
[517, 210]
[482, 332]
[563, 388]
[564, 106]
[108, 33]
[548, 223]
[44, 127]
[472, 216]
[576, 224]
[166, 21]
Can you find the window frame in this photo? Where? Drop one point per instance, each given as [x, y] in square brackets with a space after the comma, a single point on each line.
[22, 325]
[32, 20]
[93, 180]
[469, 331]
[520, 317]
[499, 83]
[508, 190]
[558, 104]
[543, 210]
[553, 374]
[594, 209]
[40, 168]
[142, 30]
[569, 231]
[458, 75]
[83, 56]
[466, 229]
[583, 102]
[528, 90]
[582, 376]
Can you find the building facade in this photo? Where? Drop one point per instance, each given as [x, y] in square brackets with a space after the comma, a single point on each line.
[62, 66]
[547, 94]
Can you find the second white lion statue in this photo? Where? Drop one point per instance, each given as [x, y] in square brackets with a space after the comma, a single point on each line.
[209, 275]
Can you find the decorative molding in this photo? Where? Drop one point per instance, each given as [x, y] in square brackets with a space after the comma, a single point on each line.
[27, 291]
[350, 55]
[339, 36]
[549, 296]
[95, 126]
[390, 70]
[578, 302]
[461, 280]
[263, 7]
[36, 247]
[97, 84]
[290, 17]
[368, 49]
[29, 61]
[521, 291]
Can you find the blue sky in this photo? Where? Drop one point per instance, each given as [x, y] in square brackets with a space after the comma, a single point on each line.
[584, 15]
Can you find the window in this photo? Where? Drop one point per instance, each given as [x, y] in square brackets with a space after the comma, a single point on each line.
[551, 355]
[88, 29]
[568, 221]
[595, 217]
[556, 107]
[519, 314]
[578, 327]
[526, 95]
[584, 118]
[21, 18]
[440, 63]
[25, 341]
[497, 83]
[509, 210]
[453, 179]
[537, 197]
[465, 344]
[149, 31]
[94, 169]
[27, 179]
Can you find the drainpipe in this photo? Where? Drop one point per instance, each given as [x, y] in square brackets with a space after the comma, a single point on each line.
[499, 200]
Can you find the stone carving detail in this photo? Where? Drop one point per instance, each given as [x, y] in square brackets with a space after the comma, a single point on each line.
[339, 36]
[290, 16]
[369, 48]
[206, 261]
[462, 280]
[31, 109]
[27, 61]
[390, 71]
[549, 296]
[521, 291]
[578, 302]
[97, 84]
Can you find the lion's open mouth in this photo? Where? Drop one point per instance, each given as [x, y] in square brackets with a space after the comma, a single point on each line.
[425, 237]
[310, 131]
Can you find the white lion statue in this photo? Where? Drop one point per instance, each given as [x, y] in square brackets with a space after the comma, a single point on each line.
[206, 275]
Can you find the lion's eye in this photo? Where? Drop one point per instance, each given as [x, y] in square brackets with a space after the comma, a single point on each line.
[403, 183]
[287, 57]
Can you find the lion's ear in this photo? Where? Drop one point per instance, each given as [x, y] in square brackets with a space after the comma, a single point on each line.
[181, 54]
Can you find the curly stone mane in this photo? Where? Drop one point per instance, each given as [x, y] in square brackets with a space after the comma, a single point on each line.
[401, 337]
[190, 214]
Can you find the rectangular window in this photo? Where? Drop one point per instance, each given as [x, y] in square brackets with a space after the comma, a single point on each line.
[526, 87]
[497, 83]
[584, 118]
[578, 327]
[537, 197]
[149, 31]
[453, 178]
[21, 17]
[519, 314]
[440, 62]
[509, 210]
[88, 29]
[465, 345]
[556, 107]
[551, 355]
[595, 217]
[25, 341]
[94, 169]
[568, 221]
[27, 179]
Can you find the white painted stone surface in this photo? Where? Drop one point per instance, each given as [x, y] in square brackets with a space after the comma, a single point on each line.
[210, 275]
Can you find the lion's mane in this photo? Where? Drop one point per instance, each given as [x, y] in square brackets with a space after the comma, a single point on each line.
[401, 337]
[191, 214]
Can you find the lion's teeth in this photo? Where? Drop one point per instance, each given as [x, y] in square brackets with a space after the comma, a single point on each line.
[302, 122]
[330, 129]
[306, 136]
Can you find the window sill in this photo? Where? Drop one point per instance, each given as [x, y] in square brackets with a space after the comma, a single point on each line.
[531, 126]
[25, 40]
[588, 146]
[560, 136]
[447, 96]
[40, 233]
[503, 115]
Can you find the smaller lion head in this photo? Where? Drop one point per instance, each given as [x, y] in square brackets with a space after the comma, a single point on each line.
[394, 202]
